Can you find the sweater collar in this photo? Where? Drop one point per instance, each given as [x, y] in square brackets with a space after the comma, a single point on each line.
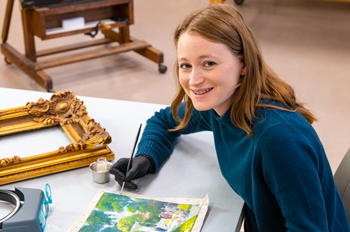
[225, 120]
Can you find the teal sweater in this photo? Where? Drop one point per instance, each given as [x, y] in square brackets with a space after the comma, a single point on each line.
[281, 172]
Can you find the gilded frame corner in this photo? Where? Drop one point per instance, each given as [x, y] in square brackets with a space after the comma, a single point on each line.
[89, 139]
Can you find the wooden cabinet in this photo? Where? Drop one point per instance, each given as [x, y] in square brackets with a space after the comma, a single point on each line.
[47, 22]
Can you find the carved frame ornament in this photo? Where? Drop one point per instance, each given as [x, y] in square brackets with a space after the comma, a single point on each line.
[89, 139]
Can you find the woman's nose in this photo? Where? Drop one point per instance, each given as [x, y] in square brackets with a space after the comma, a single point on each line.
[196, 77]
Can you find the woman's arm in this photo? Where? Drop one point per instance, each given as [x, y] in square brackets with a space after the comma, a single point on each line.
[157, 141]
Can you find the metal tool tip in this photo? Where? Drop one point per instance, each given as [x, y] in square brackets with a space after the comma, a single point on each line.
[121, 192]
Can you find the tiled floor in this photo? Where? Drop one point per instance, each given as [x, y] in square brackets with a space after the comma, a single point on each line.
[306, 42]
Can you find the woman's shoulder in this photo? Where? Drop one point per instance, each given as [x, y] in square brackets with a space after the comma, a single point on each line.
[273, 114]
[280, 129]
[276, 111]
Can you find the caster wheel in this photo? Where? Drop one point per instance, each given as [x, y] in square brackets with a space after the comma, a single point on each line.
[239, 2]
[162, 68]
[7, 61]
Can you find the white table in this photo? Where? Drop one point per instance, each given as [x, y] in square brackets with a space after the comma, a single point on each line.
[191, 172]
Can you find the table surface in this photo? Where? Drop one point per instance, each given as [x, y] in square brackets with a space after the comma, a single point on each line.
[192, 171]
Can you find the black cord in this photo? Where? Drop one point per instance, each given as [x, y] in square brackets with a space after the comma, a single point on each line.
[95, 32]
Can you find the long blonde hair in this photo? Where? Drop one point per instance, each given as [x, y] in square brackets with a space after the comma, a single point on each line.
[222, 23]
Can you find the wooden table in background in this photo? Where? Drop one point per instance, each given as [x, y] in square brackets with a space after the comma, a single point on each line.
[46, 23]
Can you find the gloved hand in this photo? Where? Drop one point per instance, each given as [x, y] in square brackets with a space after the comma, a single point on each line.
[140, 166]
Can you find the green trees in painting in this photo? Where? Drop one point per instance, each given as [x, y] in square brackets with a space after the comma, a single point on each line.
[127, 222]
[110, 202]
[116, 213]
[96, 221]
[144, 211]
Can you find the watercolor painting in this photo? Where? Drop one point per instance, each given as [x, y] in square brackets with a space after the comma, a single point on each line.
[120, 213]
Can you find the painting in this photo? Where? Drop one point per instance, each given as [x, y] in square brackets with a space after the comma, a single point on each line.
[110, 211]
[88, 138]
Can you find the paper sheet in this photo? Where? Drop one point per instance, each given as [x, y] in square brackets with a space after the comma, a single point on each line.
[110, 211]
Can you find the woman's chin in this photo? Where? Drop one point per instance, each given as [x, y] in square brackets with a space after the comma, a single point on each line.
[201, 107]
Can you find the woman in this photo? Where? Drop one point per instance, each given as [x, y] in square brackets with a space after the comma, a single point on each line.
[262, 134]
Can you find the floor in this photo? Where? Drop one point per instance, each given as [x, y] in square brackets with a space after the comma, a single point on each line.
[305, 41]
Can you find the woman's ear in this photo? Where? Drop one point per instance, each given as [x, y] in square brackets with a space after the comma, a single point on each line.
[244, 70]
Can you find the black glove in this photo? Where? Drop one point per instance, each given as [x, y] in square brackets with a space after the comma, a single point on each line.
[140, 166]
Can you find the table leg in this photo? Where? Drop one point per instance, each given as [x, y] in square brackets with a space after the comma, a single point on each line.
[7, 20]
[27, 66]
[28, 34]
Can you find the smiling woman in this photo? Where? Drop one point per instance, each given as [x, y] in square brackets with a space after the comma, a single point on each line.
[224, 26]
[208, 72]
[267, 149]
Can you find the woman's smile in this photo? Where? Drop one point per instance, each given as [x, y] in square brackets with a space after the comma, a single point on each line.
[201, 91]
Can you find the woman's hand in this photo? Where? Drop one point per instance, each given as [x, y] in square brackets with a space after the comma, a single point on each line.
[140, 166]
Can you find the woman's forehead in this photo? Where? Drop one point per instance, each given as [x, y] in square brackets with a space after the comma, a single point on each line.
[190, 44]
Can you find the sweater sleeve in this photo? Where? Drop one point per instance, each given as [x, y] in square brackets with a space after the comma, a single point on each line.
[292, 165]
[157, 141]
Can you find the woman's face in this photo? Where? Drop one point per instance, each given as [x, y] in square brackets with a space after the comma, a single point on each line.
[208, 72]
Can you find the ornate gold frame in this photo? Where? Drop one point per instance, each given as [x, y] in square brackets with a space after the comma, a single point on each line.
[89, 139]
